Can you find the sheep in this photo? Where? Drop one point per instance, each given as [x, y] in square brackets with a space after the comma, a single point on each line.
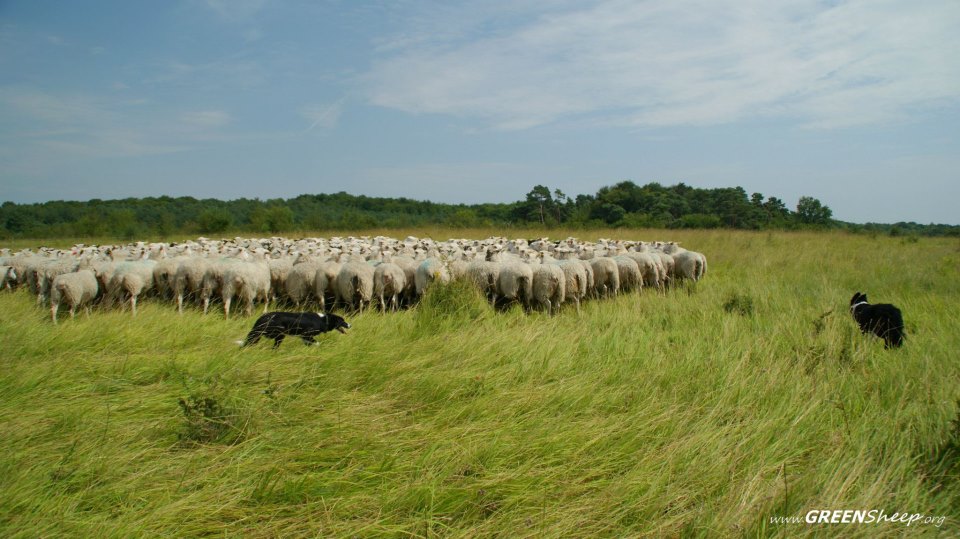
[515, 282]
[430, 270]
[606, 276]
[649, 268]
[77, 289]
[131, 279]
[389, 280]
[26, 268]
[189, 279]
[249, 282]
[48, 270]
[330, 269]
[575, 285]
[355, 284]
[301, 282]
[164, 272]
[630, 274]
[484, 274]
[212, 283]
[688, 264]
[279, 271]
[549, 283]
[8, 277]
[321, 287]
[409, 267]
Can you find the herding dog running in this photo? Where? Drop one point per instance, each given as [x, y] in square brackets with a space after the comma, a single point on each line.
[277, 325]
[883, 319]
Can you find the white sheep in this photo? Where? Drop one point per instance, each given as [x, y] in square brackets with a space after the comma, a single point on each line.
[188, 279]
[390, 281]
[649, 268]
[688, 264]
[549, 286]
[212, 283]
[131, 279]
[249, 282]
[8, 277]
[430, 270]
[355, 284]
[330, 269]
[630, 275]
[515, 281]
[279, 271]
[301, 283]
[484, 275]
[164, 272]
[409, 267]
[575, 286]
[47, 271]
[76, 289]
[606, 276]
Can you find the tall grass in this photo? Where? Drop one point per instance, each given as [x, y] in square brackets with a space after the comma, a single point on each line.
[646, 416]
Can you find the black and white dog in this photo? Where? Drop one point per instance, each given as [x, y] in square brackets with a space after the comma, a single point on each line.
[277, 325]
[883, 319]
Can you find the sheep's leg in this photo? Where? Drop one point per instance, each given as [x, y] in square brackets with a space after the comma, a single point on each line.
[576, 299]
[53, 314]
[226, 307]
[72, 309]
[278, 340]
[133, 304]
[206, 305]
[180, 303]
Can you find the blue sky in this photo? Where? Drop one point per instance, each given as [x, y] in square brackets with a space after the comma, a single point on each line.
[855, 103]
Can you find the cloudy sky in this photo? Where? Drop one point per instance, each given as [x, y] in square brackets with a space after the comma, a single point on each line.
[855, 103]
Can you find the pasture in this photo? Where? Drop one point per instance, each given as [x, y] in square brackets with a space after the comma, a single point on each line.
[702, 412]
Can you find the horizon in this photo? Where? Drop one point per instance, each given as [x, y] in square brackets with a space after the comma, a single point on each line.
[854, 105]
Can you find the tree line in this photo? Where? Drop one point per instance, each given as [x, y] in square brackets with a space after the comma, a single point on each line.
[624, 204]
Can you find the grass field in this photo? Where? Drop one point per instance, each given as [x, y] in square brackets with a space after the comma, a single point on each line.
[648, 415]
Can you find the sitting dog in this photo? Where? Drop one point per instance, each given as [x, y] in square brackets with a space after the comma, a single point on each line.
[277, 325]
[883, 319]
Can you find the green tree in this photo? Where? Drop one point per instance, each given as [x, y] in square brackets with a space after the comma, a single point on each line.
[539, 198]
[273, 219]
[810, 211]
[214, 220]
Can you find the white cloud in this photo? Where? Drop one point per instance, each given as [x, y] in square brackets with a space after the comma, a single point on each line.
[323, 116]
[688, 62]
[235, 10]
[205, 118]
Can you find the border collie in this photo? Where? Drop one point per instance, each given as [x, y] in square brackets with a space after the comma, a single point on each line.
[277, 325]
[883, 319]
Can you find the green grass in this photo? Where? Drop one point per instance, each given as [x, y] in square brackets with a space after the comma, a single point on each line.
[647, 416]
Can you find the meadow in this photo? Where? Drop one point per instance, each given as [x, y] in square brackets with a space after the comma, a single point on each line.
[707, 411]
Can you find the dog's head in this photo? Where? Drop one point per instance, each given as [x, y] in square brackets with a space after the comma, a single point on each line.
[335, 322]
[857, 299]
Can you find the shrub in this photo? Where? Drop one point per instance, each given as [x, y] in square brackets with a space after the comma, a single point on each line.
[208, 420]
[739, 304]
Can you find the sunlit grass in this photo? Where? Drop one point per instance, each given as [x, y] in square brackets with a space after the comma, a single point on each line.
[646, 416]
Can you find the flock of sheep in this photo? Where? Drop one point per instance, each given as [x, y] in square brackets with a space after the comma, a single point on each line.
[349, 272]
